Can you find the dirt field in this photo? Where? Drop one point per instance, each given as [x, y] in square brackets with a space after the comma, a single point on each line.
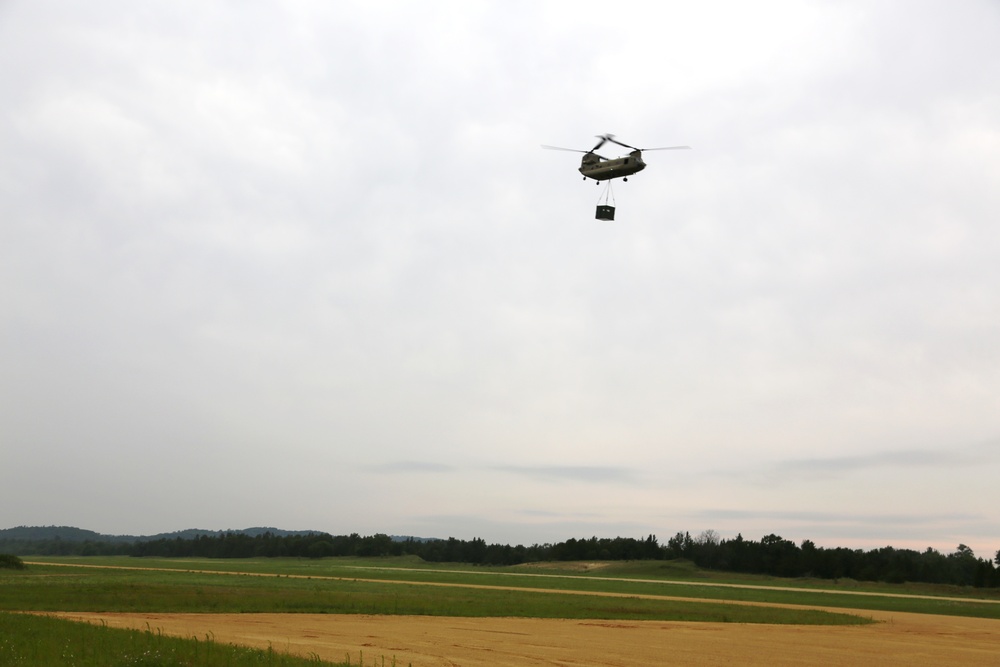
[898, 639]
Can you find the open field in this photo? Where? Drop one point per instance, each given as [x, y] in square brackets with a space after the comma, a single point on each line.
[366, 586]
[910, 640]
[571, 614]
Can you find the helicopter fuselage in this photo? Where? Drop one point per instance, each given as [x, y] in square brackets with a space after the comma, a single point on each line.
[601, 169]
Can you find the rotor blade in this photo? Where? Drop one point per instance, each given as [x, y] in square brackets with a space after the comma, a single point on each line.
[560, 148]
[667, 148]
[612, 139]
[601, 142]
[572, 150]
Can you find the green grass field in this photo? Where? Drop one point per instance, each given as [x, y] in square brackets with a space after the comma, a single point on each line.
[406, 586]
[338, 585]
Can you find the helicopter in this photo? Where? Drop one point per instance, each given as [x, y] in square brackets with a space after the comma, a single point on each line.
[601, 168]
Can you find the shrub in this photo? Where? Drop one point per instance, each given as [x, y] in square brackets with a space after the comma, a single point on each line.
[10, 562]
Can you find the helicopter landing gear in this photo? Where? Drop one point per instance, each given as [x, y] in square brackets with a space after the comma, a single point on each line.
[624, 180]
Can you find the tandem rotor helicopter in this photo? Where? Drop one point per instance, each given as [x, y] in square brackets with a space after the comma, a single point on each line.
[601, 168]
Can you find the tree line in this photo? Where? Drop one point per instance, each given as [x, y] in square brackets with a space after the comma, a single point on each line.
[771, 555]
[774, 555]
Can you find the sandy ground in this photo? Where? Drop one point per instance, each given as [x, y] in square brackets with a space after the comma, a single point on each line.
[423, 641]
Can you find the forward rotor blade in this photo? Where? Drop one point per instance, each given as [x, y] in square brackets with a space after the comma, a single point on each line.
[667, 148]
[572, 150]
[560, 148]
[612, 139]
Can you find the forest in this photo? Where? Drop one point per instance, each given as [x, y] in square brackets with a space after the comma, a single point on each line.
[771, 555]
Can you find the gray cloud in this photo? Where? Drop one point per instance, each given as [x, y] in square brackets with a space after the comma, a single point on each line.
[895, 459]
[593, 474]
[410, 467]
[842, 518]
[890, 462]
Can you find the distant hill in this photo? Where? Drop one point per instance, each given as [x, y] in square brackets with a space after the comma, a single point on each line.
[71, 534]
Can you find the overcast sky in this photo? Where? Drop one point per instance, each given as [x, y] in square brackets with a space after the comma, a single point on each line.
[305, 265]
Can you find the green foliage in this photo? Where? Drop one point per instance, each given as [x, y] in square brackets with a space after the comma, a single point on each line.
[9, 562]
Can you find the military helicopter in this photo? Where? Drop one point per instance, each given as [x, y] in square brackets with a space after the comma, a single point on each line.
[601, 168]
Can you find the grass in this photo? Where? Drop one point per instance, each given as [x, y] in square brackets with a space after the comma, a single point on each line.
[53, 588]
[41, 641]
[351, 595]
[671, 572]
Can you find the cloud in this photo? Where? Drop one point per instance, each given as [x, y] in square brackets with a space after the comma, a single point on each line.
[592, 474]
[837, 518]
[962, 457]
[899, 462]
[849, 464]
[410, 467]
[587, 474]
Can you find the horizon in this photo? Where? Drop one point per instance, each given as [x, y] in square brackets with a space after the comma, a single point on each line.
[987, 553]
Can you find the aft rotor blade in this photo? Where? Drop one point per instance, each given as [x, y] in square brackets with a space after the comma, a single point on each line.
[667, 148]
